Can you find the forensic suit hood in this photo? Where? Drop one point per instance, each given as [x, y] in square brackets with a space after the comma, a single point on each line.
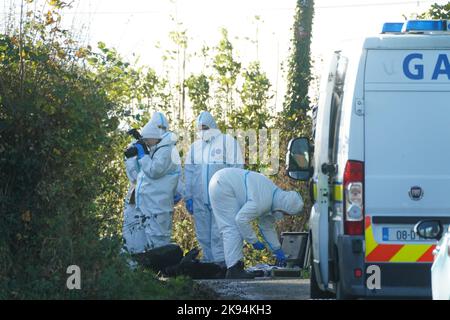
[289, 202]
[159, 120]
[151, 131]
[206, 119]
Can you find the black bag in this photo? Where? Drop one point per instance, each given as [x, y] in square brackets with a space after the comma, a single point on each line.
[191, 267]
[159, 259]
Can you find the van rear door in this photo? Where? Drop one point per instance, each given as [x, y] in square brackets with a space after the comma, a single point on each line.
[407, 150]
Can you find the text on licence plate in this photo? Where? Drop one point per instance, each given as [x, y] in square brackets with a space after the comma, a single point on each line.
[400, 234]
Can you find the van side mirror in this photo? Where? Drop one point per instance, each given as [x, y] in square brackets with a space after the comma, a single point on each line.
[298, 159]
[429, 229]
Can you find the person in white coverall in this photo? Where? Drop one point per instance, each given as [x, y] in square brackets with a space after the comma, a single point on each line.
[160, 120]
[133, 231]
[156, 184]
[239, 197]
[207, 155]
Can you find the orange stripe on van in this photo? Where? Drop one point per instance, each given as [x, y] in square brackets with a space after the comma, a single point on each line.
[384, 252]
[428, 255]
[394, 253]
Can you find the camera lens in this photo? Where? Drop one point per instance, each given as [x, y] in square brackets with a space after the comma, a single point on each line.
[131, 152]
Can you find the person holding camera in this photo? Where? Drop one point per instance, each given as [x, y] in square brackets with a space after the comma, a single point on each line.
[159, 169]
[157, 182]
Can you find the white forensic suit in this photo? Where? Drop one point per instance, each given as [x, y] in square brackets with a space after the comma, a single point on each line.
[240, 196]
[156, 186]
[160, 120]
[207, 155]
[132, 230]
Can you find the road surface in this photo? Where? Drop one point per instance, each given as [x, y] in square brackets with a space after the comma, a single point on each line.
[258, 289]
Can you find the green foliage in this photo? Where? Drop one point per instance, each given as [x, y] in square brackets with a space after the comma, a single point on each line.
[437, 11]
[183, 229]
[227, 69]
[198, 92]
[255, 96]
[62, 180]
[61, 166]
[297, 103]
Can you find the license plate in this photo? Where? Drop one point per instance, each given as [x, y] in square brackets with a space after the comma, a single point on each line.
[400, 234]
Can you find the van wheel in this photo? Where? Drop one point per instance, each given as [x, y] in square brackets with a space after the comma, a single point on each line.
[314, 290]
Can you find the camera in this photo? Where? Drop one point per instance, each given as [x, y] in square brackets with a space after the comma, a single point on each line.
[133, 151]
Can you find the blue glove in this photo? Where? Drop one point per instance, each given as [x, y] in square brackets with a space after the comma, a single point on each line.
[281, 258]
[259, 246]
[190, 206]
[140, 150]
[177, 198]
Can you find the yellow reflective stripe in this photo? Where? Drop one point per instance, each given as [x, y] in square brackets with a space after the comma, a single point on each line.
[315, 191]
[371, 244]
[410, 253]
[338, 194]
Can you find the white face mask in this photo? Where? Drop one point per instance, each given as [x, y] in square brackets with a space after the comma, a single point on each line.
[205, 135]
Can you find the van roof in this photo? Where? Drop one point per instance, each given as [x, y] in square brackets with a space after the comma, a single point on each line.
[409, 41]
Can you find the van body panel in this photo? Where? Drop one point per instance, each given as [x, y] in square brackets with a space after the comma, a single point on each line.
[405, 122]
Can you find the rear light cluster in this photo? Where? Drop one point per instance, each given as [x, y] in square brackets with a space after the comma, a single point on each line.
[354, 198]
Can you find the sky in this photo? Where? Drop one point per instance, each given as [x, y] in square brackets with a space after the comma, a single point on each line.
[135, 27]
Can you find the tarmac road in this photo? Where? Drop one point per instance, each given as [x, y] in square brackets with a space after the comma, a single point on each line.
[259, 289]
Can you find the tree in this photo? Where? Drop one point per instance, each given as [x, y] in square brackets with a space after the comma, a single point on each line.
[180, 39]
[61, 177]
[255, 96]
[198, 92]
[227, 70]
[297, 104]
[437, 12]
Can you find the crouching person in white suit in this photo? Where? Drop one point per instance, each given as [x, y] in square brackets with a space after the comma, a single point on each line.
[240, 196]
[156, 186]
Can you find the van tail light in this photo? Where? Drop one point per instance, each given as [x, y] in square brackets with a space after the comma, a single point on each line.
[354, 198]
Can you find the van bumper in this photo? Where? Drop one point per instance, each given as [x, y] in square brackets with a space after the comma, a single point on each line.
[409, 280]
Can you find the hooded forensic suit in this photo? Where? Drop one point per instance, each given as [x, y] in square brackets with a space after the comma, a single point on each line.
[212, 152]
[135, 221]
[159, 120]
[156, 186]
[240, 196]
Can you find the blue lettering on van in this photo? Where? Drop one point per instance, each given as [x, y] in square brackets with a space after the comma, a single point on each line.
[418, 75]
[414, 70]
[442, 67]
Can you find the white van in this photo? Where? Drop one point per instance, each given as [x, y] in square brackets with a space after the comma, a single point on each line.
[381, 163]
